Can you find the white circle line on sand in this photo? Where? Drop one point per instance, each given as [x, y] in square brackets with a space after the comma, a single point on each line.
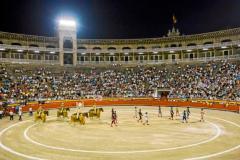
[195, 158]
[218, 153]
[218, 132]
[11, 150]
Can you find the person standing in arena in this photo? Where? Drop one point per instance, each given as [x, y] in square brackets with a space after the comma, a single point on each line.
[184, 119]
[202, 115]
[112, 111]
[30, 111]
[140, 115]
[11, 115]
[177, 112]
[136, 112]
[78, 112]
[114, 117]
[171, 113]
[146, 119]
[159, 111]
[188, 112]
[1, 113]
[20, 114]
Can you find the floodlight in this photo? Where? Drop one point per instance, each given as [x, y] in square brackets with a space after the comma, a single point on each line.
[67, 23]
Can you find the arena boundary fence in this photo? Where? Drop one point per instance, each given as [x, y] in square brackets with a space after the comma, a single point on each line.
[233, 106]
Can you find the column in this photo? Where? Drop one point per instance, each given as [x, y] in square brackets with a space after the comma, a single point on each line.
[61, 52]
[74, 53]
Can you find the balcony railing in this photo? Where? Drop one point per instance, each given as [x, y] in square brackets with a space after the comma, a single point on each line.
[28, 61]
[167, 61]
[133, 50]
[28, 48]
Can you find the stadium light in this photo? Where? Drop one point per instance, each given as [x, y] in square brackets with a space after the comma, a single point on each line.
[67, 23]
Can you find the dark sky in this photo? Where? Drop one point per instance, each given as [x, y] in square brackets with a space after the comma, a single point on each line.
[119, 18]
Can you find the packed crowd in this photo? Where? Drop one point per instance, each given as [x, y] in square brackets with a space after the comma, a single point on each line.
[213, 80]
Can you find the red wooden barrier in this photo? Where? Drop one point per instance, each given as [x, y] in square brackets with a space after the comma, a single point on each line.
[131, 102]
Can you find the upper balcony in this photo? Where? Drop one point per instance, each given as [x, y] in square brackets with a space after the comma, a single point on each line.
[141, 49]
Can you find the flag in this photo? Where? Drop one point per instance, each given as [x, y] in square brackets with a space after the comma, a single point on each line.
[174, 19]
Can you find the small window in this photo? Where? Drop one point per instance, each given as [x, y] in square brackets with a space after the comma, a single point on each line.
[126, 58]
[68, 44]
[82, 59]
[111, 59]
[225, 53]
[191, 56]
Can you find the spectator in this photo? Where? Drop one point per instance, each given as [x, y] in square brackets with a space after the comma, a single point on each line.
[1, 113]
[11, 115]
[30, 111]
[20, 114]
[212, 80]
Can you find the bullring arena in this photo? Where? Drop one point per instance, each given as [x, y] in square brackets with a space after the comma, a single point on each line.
[174, 97]
[216, 138]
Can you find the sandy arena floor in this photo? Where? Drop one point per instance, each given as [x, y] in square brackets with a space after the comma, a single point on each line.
[216, 139]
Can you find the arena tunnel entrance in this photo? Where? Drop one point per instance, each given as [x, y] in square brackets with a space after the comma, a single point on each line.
[162, 93]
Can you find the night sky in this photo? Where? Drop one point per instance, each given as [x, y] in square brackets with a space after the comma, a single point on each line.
[119, 18]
